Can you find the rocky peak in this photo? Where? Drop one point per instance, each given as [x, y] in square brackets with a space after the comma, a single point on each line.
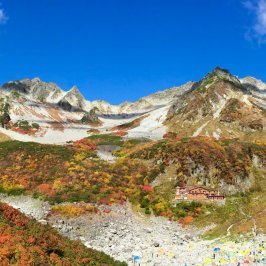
[221, 73]
[126, 103]
[91, 117]
[74, 98]
[74, 91]
[253, 83]
[36, 80]
[17, 85]
[218, 81]
[33, 89]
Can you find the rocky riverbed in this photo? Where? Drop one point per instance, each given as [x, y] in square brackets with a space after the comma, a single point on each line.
[105, 152]
[126, 234]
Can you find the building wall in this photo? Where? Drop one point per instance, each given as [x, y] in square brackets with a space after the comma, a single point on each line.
[197, 197]
[197, 193]
[216, 197]
[199, 190]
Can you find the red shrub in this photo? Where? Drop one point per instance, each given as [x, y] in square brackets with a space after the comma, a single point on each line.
[13, 215]
[105, 201]
[46, 189]
[147, 188]
[85, 145]
[166, 135]
[120, 133]
[4, 238]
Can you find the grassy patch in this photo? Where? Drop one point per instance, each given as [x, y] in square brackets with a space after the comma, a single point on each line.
[33, 148]
[12, 190]
[240, 212]
[106, 139]
[4, 137]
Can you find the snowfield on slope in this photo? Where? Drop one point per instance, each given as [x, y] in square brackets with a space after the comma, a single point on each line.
[51, 136]
[56, 130]
[152, 126]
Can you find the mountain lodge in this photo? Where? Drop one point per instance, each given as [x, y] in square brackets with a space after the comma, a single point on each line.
[197, 193]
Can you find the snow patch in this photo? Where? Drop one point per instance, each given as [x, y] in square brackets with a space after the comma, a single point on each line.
[50, 136]
[216, 135]
[246, 100]
[198, 131]
[152, 126]
[219, 107]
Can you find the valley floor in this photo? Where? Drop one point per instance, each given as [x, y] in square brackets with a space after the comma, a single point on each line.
[124, 233]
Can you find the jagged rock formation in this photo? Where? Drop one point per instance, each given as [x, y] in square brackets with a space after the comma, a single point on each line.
[91, 118]
[33, 89]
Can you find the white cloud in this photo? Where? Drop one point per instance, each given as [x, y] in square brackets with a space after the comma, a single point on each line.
[258, 30]
[3, 16]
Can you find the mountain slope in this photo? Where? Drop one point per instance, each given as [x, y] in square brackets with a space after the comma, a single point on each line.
[60, 114]
[219, 106]
[26, 242]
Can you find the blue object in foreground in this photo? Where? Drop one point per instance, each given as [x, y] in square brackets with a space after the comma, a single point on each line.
[216, 249]
[135, 258]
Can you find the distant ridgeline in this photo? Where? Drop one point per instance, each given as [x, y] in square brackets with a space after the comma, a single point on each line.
[220, 105]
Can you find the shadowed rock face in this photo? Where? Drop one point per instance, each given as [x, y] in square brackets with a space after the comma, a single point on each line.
[65, 105]
[18, 86]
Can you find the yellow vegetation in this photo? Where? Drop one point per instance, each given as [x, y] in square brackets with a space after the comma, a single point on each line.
[72, 210]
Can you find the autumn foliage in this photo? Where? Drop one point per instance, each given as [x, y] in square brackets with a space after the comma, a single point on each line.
[147, 188]
[85, 145]
[186, 221]
[70, 173]
[119, 133]
[223, 159]
[74, 173]
[24, 242]
[73, 210]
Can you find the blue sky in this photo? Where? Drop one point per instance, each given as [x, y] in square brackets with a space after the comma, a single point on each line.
[120, 50]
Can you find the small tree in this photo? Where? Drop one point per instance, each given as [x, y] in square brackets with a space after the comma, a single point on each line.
[4, 114]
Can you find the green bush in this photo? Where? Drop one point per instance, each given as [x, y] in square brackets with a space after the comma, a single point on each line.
[25, 125]
[13, 191]
[35, 125]
[144, 203]
[147, 210]
[107, 139]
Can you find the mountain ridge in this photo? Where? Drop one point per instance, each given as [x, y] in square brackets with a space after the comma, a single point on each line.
[219, 105]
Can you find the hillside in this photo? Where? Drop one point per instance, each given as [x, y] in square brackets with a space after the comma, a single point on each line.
[25, 242]
[203, 161]
[222, 106]
[236, 169]
[146, 174]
